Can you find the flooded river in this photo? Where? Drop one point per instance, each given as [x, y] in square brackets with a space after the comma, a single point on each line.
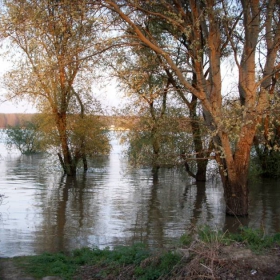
[112, 205]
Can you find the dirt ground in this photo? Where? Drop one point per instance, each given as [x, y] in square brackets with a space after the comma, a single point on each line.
[240, 263]
[8, 271]
[220, 262]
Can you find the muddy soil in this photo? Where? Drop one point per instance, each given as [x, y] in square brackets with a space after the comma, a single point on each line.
[9, 271]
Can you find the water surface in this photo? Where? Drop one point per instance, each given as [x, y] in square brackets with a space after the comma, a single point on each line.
[112, 205]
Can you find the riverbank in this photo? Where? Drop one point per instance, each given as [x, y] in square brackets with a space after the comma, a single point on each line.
[204, 255]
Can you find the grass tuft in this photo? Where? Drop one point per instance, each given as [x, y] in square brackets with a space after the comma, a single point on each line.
[256, 239]
[209, 235]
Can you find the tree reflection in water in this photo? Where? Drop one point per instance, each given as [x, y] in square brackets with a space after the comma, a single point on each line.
[113, 205]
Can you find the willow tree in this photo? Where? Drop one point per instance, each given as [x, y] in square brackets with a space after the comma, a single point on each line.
[247, 32]
[151, 141]
[54, 44]
[158, 97]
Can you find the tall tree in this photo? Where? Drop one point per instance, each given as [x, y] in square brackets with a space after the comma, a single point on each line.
[54, 45]
[143, 72]
[251, 29]
[141, 77]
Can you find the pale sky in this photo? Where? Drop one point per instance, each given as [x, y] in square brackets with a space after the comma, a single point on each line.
[22, 107]
[108, 97]
[10, 107]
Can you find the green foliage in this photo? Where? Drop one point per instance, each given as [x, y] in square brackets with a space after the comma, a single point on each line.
[86, 136]
[159, 142]
[255, 238]
[208, 235]
[124, 255]
[276, 238]
[86, 255]
[57, 264]
[26, 138]
[255, 169]
[266, 152]
[157, 266]
[185, 240]
[266, 162]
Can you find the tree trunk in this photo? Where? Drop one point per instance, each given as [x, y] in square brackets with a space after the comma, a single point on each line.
[234, 172]
[236, 196]
[201, 164]
[85, 163]
[200, 175]
[235, 184]
[68, 163]
[155, 140]
[156, 150]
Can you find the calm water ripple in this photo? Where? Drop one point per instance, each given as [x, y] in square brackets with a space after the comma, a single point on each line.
[112, 205]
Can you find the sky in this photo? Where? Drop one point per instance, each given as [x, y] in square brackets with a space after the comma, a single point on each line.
[22, 107]
[108, 96]
[11, 107]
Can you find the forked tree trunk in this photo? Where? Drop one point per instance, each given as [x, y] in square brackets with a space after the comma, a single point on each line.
[66, 160]
[69, 165]
[201, 171]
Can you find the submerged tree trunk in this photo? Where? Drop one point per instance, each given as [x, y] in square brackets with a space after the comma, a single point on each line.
[236, 196]
[201, 163]
[234, 169]
[196, 129]
[156, 151]
[68, 163]
[235, 184]
[154, 131]
[200, 175]
[81, 151]
[201, 172]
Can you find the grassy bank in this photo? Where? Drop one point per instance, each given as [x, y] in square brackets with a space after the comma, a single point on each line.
[205, 254]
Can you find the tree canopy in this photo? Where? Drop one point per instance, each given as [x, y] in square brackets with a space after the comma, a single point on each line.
[210, 32]
[55, 43]
[175, 49]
